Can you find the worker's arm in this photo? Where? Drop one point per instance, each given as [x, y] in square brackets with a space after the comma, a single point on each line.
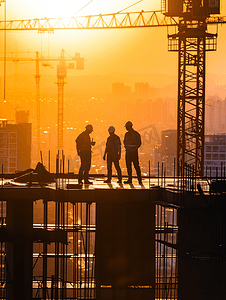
[138, 140]
[105, 152]
[125, 141]
[119, 149]
[78, 144]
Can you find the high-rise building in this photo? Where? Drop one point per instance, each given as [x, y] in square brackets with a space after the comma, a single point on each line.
[169, 149]
[15, 145]
[142, 90]
[118, 88]
[215, 115]
[215, 155]
[157, 156]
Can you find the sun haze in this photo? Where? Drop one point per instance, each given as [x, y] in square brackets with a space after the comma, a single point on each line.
[69, 8]
[123, 56]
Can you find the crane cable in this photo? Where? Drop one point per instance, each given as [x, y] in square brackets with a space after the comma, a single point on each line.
[5, 53]
[117, 12]
[129, 6]
[82, 8]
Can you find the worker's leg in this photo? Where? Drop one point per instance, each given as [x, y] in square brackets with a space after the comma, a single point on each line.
[118, 169]
[129, 167]
[85, 164]
[80, 173]
[109, 167]
[137, 166]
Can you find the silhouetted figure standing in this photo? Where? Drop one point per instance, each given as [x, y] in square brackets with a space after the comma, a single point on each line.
[132, 141]
[113, 152]
[84, 145]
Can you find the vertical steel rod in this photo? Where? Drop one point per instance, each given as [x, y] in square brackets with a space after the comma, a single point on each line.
[49, 160]
[149, 174]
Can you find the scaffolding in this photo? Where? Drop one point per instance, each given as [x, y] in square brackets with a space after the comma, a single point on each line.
[52, 233]
[166, 261]
[65, 270]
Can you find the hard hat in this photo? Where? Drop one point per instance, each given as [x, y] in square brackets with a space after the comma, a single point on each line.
[111, 129]
[89, 127]
[128, 124]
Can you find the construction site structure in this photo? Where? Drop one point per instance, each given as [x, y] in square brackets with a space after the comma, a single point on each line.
[165, 240]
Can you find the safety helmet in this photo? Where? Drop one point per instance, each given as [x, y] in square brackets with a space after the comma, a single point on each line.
[89, 127]
[111, 129]
[128, 124]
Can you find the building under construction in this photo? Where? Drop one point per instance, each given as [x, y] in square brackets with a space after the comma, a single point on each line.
[162, 240]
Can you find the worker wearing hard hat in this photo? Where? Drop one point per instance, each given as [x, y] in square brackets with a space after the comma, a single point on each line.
[132, 141]
[84, 145]
[113, 152]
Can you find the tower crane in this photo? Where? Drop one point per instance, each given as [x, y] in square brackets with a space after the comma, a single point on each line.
[61, 81]
[192, 40]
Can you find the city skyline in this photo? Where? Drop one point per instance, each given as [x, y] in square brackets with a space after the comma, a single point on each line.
[157, 230]
[129, 56]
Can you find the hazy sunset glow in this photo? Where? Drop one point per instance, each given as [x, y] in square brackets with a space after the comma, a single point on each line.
[69, 8]
[112, 149]
[126, 56]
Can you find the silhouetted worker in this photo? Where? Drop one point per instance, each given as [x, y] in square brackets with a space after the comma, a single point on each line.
[84, 145]
[132, 141]
[113, 152]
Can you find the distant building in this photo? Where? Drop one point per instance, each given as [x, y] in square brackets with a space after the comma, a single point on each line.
[169, 150]
[120, 90]
[142, 90]
[166, 152]
[117, 88]
[15, 145]
[157, 156]
[215, 115]
[215, 155]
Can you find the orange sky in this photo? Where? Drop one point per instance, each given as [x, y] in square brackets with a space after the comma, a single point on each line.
[106, 51]
[137, 51]
[68, 8]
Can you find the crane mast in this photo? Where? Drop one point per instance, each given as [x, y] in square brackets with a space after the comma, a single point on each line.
[191, 42]
[61, 76]
[37, 80]
[191, 97]
[61, 81]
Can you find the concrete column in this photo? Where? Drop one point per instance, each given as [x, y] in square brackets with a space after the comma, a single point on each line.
[19, 249]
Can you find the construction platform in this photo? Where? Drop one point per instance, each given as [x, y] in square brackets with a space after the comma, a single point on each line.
[162, 240]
